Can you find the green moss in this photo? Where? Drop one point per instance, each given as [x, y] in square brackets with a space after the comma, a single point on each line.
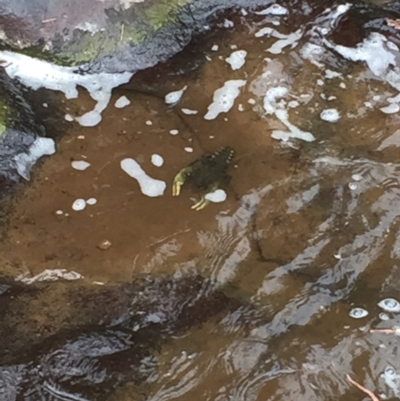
[39, 52]
[163, 12]
[126, 28]
[3, 117]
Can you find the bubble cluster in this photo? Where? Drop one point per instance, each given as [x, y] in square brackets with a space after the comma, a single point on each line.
[358, 313]
[389, 305]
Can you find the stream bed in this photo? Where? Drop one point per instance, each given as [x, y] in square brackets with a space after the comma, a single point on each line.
[277, 293]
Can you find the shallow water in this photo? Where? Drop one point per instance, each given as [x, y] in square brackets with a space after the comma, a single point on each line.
[248, 299]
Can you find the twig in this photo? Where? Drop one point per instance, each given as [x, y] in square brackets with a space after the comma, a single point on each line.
[121, 36]
[394, 330]
[389, 331]
[49, 20]
[365, 390]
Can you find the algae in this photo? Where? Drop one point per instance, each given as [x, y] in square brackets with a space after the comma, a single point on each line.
[163, 12]
[3, 117]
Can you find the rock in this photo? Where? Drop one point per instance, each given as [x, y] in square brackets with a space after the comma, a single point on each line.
[107, 36]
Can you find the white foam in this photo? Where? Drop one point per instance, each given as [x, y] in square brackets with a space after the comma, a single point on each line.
[217, 196]
[79, 204]
[149, 186]
[390, 109]
[390, 305]
[121, 102]
[358, 313]
[268, 31]
[215, 48]
[174, 132]
[330, 115]
[80, 165]
[228, 23]
[237, 59]
[329, 74]
[91, 201]
[371, 50]
[157, 160]
[149, 122]
[25, 161]
[271, 97]
[50, 275]
[294, 132]
[224, 98]
[35, 74]
[173, 98]
[271, 106]
[275, 9]
[188, 149]
[290, 40]
[314, 53]
[189, 111]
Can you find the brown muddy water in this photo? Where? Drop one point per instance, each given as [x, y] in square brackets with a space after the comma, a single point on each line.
[249, 299]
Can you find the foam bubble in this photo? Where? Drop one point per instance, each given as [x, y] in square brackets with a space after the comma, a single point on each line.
[329, 74]
[80, 165]
[174, 132]
[228, 23]
[79, 204]
[173, 98]
[358, 313]
[216, 196]
[271, 107]
[91, 201]
[390, 109]
[290, 40]
[50, 275]
[237, 59]
[149, 186]
[157, 160]
[121, 102]
[25, 161]
[224, 98]
[215, 48]
[384, 316]
[189, 150]
[389, 305]
[189, 111]
[35, 73]
[275, 9]
[330, 115]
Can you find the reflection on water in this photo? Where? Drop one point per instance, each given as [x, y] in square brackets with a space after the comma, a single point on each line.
[271, 294]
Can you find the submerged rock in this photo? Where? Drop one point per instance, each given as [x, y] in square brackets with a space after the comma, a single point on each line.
[105, 338]
[107, 36]
[21, 138]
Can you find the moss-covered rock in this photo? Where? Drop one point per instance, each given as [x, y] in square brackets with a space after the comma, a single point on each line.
[107, 36]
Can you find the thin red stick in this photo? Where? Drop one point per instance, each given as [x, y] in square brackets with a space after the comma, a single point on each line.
[365, 390]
